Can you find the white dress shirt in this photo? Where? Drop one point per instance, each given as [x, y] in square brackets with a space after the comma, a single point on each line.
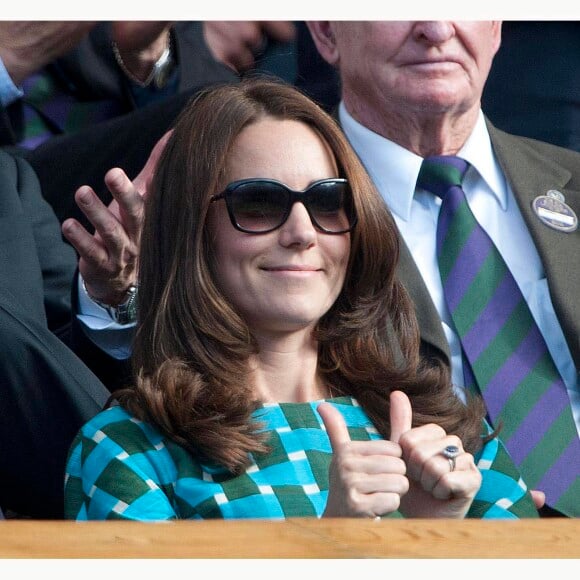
[9, 92]
[394, 171]
[110, 336]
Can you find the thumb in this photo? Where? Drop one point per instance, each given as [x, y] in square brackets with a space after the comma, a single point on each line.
[143, 180]
[401, 415]
[539, 498]
[335, 425]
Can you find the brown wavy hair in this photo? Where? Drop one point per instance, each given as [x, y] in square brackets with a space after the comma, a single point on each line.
[192, 348]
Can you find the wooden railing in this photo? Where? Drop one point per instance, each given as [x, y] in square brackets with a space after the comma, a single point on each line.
[294, 538]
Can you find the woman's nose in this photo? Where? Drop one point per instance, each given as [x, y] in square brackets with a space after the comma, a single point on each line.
[298, 228]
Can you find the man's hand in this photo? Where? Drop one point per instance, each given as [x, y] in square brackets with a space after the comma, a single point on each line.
[25, 47]
[237, 43]
[141, 44]
[108, 259]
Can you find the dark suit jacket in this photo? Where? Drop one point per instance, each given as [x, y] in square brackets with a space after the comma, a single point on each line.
[90, 73]
[36, 266]
[531, 168]
[46, 392]
[65, 162]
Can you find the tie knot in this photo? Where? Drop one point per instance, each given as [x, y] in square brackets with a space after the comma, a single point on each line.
[439, 173]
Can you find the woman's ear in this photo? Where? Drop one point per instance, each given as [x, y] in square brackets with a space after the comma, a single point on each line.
[323, 36]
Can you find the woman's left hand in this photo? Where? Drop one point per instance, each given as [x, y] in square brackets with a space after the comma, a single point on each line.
[439, 487]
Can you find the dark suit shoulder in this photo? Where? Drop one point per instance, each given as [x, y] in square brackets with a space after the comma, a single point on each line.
[16, 174]
[526, 157]
[568, 158]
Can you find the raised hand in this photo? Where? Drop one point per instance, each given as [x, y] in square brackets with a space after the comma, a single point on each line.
[27, 46]
[108, 259]
[435, 490]
[236, 43]
[140, 44]
[366, 478]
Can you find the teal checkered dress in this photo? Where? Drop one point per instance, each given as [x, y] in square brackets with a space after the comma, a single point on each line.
[122, 468]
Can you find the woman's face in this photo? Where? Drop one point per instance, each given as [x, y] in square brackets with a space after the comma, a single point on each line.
[284, 280]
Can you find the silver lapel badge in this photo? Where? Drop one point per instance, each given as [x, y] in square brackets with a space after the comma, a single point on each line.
[553, 210]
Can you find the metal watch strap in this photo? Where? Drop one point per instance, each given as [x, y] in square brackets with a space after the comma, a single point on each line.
[126, 311]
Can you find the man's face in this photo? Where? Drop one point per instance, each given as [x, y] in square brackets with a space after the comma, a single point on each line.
[413, 68]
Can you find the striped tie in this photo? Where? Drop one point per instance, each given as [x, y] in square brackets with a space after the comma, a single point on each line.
[507, 355]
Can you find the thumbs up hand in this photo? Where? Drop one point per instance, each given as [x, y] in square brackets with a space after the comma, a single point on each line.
[366, 478]
[438, 487]
[409, 472]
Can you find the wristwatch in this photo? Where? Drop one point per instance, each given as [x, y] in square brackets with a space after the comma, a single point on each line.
[126, 311]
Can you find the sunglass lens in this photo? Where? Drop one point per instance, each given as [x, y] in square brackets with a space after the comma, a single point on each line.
[330, 205]
[259, 207]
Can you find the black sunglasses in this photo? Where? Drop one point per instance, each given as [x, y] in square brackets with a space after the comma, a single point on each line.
[259, 206]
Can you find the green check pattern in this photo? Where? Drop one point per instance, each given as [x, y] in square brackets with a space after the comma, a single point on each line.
[122, 468]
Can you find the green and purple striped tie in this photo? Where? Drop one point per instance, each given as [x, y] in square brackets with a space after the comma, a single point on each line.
[506, 352]
[49, 110]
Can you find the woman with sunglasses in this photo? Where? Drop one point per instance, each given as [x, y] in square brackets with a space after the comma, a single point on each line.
[277, 367]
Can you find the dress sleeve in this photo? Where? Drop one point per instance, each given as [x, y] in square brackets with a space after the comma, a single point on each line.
[503, 493]
[115, 471]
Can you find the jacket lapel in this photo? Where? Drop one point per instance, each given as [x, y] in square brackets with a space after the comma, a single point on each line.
[429, 322]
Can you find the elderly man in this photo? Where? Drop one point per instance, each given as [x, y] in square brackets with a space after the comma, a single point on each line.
[489, 223]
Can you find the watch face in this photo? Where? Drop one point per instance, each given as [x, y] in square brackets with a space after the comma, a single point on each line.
[132, 309]
[126, 313]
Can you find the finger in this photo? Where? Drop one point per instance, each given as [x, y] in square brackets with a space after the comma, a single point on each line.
[89, 203]
[383, 483]
[401, 415]
[378, 504]
[129, 208]
[434, 468]
[106, 224]
[374, 460]
[88, 248]
[280, 30]
[334, 424]
[539, 498]
[457, 485]
[143, 181]
[423, 450]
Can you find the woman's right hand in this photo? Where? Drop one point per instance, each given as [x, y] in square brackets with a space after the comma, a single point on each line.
[366, 478]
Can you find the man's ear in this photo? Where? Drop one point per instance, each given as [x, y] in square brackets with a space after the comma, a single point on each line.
[323, 36]
[496, 32]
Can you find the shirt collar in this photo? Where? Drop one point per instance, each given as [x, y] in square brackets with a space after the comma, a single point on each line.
[394, 170]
